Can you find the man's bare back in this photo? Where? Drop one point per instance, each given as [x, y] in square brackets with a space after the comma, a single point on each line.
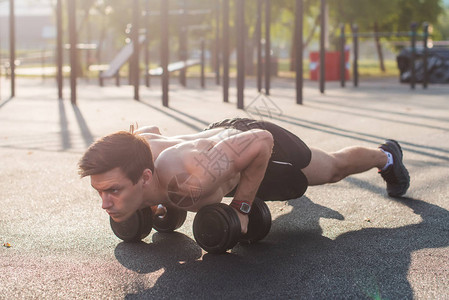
[200, 169]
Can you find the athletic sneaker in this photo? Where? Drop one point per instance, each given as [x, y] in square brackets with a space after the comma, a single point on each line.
[396, 175]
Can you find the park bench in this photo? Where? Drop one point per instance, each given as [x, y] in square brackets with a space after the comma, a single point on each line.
[176, 66]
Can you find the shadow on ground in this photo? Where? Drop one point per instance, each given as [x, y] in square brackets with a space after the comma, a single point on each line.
[295, 260]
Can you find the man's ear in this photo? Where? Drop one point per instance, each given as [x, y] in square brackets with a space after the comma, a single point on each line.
[147, 175]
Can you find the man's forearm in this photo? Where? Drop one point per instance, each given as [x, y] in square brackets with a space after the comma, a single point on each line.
[252, 176]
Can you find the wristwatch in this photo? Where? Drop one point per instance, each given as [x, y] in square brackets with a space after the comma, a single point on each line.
[242, 206]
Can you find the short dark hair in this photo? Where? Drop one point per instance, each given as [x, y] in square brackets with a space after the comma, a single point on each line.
[127, 151]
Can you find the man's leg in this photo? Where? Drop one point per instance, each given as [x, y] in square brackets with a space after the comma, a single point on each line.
[333, 167]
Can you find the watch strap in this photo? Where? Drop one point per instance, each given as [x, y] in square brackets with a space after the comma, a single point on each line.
[243, 207]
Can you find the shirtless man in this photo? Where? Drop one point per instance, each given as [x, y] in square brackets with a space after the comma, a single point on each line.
[240, 158]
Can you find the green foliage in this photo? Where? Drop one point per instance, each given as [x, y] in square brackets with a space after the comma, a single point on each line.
[418, 11]
[442, 26]
[390, 15]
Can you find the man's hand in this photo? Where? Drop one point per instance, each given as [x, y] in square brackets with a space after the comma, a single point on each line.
[148, 129]
[244, 219]
[158, 210]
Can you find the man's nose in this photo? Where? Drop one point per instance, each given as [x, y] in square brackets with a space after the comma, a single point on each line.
[106, 201]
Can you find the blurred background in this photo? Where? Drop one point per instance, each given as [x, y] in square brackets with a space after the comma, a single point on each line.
[104, 27]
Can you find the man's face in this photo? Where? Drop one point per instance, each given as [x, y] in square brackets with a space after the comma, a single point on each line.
[120, 197]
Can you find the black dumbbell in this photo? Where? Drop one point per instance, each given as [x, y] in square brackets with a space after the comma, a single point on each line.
[259, 224]
[172, 219]
[139, 225]
[135, 228]
[216, 227]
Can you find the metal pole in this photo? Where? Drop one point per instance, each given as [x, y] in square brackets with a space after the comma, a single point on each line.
[259, 44]
[299, 50]
[355, 40]
[88, 40]
[425, 55]
[225, 50]
[183, 32]
[0, 68]
[413, 45]
[164, 51]
[267, 46]
[147, 43]
[202, 64]
[136, 48]
[43, 63]
[217, 42]
[59, 48]
[71, 9]
[12, 47]
[240, 22]
[322, 46]
[342, 56]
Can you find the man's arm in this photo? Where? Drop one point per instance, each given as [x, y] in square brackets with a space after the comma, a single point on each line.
[216, 160]
[251, 152]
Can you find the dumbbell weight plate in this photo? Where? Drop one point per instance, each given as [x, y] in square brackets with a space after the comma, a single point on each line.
[147, 222]
[259, 223]
[171, 220]
[216, 228]
[135, 228]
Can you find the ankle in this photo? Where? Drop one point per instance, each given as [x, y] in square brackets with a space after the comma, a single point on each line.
[389, 162]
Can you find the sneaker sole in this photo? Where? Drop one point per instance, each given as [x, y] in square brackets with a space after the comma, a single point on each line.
[402, 167]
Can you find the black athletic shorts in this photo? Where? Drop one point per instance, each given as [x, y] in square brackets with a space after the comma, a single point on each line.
[283, 178]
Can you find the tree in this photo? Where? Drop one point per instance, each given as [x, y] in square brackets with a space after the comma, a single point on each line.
[441, 29]
[383, 15]
[113, 16]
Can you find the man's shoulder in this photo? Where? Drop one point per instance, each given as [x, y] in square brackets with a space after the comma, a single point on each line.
[169, 164]
[175, 158]
[169, 156]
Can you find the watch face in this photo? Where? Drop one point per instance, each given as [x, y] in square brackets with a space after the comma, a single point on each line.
[245, 207]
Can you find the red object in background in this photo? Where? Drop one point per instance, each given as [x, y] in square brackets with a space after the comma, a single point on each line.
[332, 69]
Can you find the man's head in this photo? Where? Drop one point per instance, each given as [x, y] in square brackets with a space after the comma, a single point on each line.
[131, 153]
[120, 166]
